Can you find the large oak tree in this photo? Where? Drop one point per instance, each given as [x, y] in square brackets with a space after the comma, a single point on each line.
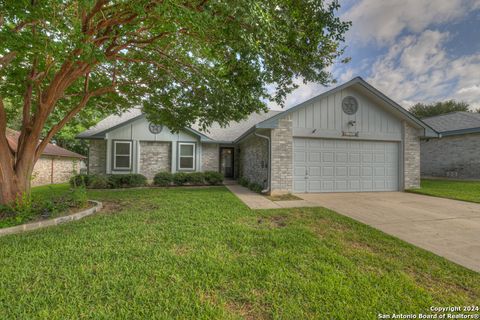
[182, 61]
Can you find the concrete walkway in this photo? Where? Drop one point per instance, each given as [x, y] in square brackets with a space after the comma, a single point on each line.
[257, 201]
[449, 228]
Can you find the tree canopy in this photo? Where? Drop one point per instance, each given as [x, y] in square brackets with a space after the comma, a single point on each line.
[184, 61]
[422, 110]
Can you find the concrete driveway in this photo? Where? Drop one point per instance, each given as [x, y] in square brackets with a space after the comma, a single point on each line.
[449, 228]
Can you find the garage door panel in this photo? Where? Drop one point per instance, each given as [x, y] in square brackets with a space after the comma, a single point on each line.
[354, 185]
[354, 157]
[330, 165]
[314, 156]
[328, 156]
[300, 156]
[354, 171]
[341, 172]
[379, 171]
[328, 171]
[314, 171]
[314, 185]
[299, 186]
[341, 185]
[299, 170]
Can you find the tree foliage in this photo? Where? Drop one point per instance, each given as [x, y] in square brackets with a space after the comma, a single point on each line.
[183, 61]
[422, 110]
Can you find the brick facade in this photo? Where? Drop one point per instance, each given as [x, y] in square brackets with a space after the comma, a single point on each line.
[282, 157]
[97, 157]
[49, 170]
[210, 157]
[155, 157]
[253, 160]
[452, 156]
[411, 143]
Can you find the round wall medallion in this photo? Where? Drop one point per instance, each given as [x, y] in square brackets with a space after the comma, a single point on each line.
[155, 128]
[349, 105]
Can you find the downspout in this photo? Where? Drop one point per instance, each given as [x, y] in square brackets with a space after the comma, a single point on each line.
[267, 189]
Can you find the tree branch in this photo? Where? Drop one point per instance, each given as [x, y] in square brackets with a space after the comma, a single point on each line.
[6, 59]
[54, 130]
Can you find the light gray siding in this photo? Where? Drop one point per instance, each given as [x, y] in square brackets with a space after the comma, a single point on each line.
[453, 157]
[326, 117]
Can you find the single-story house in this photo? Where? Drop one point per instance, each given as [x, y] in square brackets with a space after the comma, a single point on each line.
[351, 138]
[457, 153]
[56, 165]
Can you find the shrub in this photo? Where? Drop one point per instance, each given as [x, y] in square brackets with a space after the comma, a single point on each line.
[163, 179]
[243, 182]
[213, 177]
[181, 178]
[80, 180]
[255, 187]
[28, 208]
[126, 180]
[197, 178]
[98, 182]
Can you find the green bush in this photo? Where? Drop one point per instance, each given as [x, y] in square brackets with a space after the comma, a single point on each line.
[126, 180]
[163, 179]
[243, 182]
[213, 177]
[255, 187]
[197, 178]
[26, 208]
[181, 178]
[80, 180]
[98, 182]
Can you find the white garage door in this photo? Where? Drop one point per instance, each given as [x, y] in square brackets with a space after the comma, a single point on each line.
[334, 165]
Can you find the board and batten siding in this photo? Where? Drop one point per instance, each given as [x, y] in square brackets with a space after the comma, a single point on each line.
[327, 118]
[138, 131]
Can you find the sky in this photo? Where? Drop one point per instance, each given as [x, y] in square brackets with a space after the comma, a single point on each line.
[411, 50]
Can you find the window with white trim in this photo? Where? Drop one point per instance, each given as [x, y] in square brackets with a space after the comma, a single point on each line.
[186, 156]
[122, 155]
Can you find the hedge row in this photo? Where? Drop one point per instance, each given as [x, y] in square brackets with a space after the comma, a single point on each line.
[110, 181]
[184, 178]
[115, 181]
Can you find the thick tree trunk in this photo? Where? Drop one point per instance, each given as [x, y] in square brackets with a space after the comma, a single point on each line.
[14, 189]
[15, 177]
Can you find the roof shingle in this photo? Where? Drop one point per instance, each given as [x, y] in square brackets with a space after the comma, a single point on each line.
[50, 149]
[454, 121]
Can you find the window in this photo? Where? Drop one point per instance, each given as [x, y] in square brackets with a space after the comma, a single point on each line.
[186, 158]
[122, 155]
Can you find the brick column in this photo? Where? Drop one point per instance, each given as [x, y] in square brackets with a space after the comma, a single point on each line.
[282, 157]
[411, 157]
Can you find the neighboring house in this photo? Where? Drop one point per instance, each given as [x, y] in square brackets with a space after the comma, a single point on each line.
[351, 138]
[457, 153]
[56, 165]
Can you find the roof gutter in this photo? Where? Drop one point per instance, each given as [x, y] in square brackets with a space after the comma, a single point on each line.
[267, 189]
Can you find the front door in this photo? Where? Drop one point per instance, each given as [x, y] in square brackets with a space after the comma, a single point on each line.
[226, 162]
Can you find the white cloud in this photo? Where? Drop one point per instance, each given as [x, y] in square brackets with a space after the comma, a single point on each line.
[418, 69]
[382, 21]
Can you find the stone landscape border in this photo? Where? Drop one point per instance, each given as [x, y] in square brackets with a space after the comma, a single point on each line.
[53, 222]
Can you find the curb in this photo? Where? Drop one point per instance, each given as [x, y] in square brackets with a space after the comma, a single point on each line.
[52, 222]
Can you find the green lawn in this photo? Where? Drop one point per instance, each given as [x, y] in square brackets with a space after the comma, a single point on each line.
[199, 253]
[452, 189]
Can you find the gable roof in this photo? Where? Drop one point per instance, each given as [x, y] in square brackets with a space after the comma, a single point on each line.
[235, 131]
[358, 81]
[50, 149]
[453, 123]
[215, 133]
